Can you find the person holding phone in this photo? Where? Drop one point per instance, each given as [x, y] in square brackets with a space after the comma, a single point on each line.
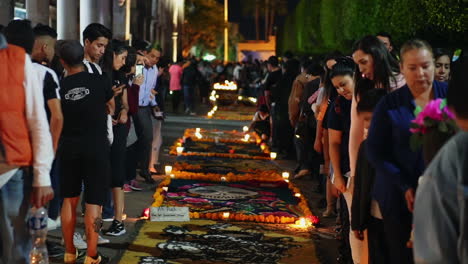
[114, 60]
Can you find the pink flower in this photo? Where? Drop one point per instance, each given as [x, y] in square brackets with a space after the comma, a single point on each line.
[195, 200]
[176, 194]
[266, 193]
[185, 187]
[449, 113]
[267, 198]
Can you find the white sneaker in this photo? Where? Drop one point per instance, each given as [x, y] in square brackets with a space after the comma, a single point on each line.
[101, 240]
[51, 224]
[79, 241]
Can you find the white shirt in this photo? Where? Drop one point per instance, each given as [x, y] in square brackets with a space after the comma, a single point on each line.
[39, 131]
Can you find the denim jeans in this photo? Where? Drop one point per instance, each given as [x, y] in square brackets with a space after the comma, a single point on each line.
[188, 97]
[15, 242]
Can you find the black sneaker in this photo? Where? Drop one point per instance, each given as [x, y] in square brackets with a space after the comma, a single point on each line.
[116, 229]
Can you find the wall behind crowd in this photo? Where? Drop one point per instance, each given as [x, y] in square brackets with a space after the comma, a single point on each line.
[319, 26]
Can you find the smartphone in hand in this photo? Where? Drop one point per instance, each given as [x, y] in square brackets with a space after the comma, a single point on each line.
[139, 69]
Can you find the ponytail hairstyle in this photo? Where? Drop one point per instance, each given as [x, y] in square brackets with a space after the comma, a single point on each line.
[329, 90]
[343, 66]
[385, 65]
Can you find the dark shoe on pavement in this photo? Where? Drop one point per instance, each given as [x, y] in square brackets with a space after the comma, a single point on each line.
[116, 229]
[301, 174]
[54, 250]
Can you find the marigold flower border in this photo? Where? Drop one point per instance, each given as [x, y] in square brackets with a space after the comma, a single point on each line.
[159, 196]
[173, 151]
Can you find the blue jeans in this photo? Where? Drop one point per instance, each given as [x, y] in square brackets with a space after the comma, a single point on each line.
[15, 243]
[188, 97]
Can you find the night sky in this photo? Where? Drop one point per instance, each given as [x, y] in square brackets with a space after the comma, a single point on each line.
[246, 23]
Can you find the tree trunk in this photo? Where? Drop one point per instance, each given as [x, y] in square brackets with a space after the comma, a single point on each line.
[257, 20]
[267, 9]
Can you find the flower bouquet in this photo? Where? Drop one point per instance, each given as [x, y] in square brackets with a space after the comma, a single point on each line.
[431, 128]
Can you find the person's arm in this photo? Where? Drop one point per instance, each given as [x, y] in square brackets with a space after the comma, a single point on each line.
[318, 147]
[56, 121]
[356, 136]
[293, 102]
[124, 112]
[52, 98]
[379, 148]
[41, 139]
[334, 137]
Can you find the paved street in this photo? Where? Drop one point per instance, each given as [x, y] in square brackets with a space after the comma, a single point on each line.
[136, 202]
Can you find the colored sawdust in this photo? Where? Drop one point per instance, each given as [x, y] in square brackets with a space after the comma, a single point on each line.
[231, 115]
[205, 241]
[224, 165]
[223, 150]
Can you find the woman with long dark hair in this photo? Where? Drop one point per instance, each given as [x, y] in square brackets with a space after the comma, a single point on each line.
[375, 63]
[118, 54]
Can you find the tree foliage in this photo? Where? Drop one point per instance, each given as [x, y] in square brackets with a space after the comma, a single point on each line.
[204, 24]
[318, 26]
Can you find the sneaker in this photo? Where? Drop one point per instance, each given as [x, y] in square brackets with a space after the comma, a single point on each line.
[99, 260]
[134, 185]
[116, 229]
[78, 241]
[108, 219]
[101, 240]
[301, 174]
[51, 224]
[126, 188]
[54, 250]
[328, 213]
[70, 258]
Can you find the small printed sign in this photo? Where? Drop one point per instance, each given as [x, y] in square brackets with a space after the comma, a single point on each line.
[169, 214]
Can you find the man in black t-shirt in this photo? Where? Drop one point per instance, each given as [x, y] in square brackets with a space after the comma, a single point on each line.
[84, 149]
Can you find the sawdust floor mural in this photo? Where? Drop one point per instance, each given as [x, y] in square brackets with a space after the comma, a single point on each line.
[205, 241]
[249, 198]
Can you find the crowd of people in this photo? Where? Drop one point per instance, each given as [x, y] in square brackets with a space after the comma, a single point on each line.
[349, 118]
[86, 118]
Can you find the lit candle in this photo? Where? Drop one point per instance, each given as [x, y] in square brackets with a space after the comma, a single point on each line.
[247, 137]
[179, 150]
[239, 98]
[273, 155]
[223, 179]
[285, 175]
[263, 147]
[197, 130]
[302, 222]
[210, 114]
[297, 194]
[286, 180]
[172, 176]
[168, 170]
[226, 215]
[198, 135]
[245, 129]
[165, 188]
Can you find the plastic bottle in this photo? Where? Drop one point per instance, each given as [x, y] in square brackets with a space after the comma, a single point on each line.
[37, 223]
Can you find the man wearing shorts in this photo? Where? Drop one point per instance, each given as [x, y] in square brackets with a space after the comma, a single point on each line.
[84, 148]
